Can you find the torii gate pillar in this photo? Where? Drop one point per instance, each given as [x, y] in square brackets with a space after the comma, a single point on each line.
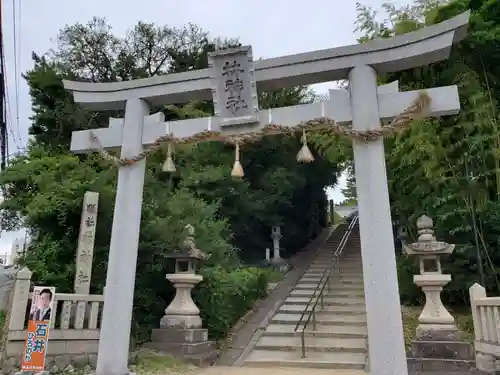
[383, 309]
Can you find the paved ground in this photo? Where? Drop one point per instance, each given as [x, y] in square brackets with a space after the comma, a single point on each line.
[216, 370]
[275, 371]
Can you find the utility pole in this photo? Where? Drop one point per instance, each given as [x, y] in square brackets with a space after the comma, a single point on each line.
[3, 108]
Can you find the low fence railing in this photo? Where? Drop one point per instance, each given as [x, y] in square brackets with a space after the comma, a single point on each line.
[74, 327]
[486, 318]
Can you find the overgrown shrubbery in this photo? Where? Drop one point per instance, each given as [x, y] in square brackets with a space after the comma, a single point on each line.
[225, 296]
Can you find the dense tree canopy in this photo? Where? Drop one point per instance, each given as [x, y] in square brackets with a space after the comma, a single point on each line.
[232, 218]
[448, 167]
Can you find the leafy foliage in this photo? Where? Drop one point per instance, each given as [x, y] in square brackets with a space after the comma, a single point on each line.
[45, 187]
[226, 296]
[448, 168]
[349, 191]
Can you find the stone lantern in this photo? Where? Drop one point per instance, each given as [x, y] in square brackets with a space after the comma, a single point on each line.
[276, 236]
[181, 333]
[431, 279]
[438, 338]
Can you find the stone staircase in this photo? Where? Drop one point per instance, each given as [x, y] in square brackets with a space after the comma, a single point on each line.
[339, 340]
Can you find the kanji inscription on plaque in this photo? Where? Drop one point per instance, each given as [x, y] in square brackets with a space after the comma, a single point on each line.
[233, 86]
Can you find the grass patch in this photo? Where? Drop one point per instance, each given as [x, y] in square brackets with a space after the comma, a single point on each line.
[463, 320]
[275, 276]
[151, 362]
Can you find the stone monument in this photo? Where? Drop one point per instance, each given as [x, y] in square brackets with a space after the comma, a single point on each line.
[86, 238]
[181, 333]
[439, 345]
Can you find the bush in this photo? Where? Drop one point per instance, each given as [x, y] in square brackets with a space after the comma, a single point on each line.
[225, 296]
[409, 293]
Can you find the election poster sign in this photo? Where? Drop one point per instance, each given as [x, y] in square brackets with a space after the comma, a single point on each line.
[41, 314]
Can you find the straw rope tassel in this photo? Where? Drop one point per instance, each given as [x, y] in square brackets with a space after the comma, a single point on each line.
[168, 165]
[237, 168]
[305, 155]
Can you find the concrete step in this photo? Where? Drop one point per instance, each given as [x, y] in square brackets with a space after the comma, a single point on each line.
[333, 285]
[336, 289]
[328, 265]
[313, 344]
[351, 282]
[336, 276]
[357, 273]
[328, 294]
[328, 301]
[327, 254]
[321, 330]
[341, 270]
[339, 293]
[354, 309]
[333, 360]
[333, 280]
[323, 318]
[329, 259]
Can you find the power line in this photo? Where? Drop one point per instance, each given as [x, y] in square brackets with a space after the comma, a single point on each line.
[3, 103]
[16, 25]
[7, 122]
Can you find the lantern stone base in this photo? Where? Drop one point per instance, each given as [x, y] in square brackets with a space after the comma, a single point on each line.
[440, 348]
[190, 344]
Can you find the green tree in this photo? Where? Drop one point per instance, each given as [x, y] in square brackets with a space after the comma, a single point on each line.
[427, 165]
[349, 191]
[45, 187]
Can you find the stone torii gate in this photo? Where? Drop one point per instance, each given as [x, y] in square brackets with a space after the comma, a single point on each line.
[362, 105]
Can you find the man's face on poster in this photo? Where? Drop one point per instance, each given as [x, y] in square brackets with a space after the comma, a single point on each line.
[44, 301]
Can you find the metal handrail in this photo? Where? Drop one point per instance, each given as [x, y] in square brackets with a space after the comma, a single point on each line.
[323, 282]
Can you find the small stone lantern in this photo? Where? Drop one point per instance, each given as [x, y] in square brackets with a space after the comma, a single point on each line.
[431, 279]
[181, 333]
[276, 236]
[438, 339]
[182, 312]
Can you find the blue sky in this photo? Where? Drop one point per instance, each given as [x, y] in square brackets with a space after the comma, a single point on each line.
[273, 28]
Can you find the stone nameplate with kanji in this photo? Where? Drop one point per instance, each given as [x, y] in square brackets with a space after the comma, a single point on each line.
[233, 86]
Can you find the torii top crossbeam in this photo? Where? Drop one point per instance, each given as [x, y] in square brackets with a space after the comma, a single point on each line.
[418, 48]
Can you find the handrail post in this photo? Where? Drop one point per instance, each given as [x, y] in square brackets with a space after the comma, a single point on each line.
[314, 319]
[322, 301]
[303, 345]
